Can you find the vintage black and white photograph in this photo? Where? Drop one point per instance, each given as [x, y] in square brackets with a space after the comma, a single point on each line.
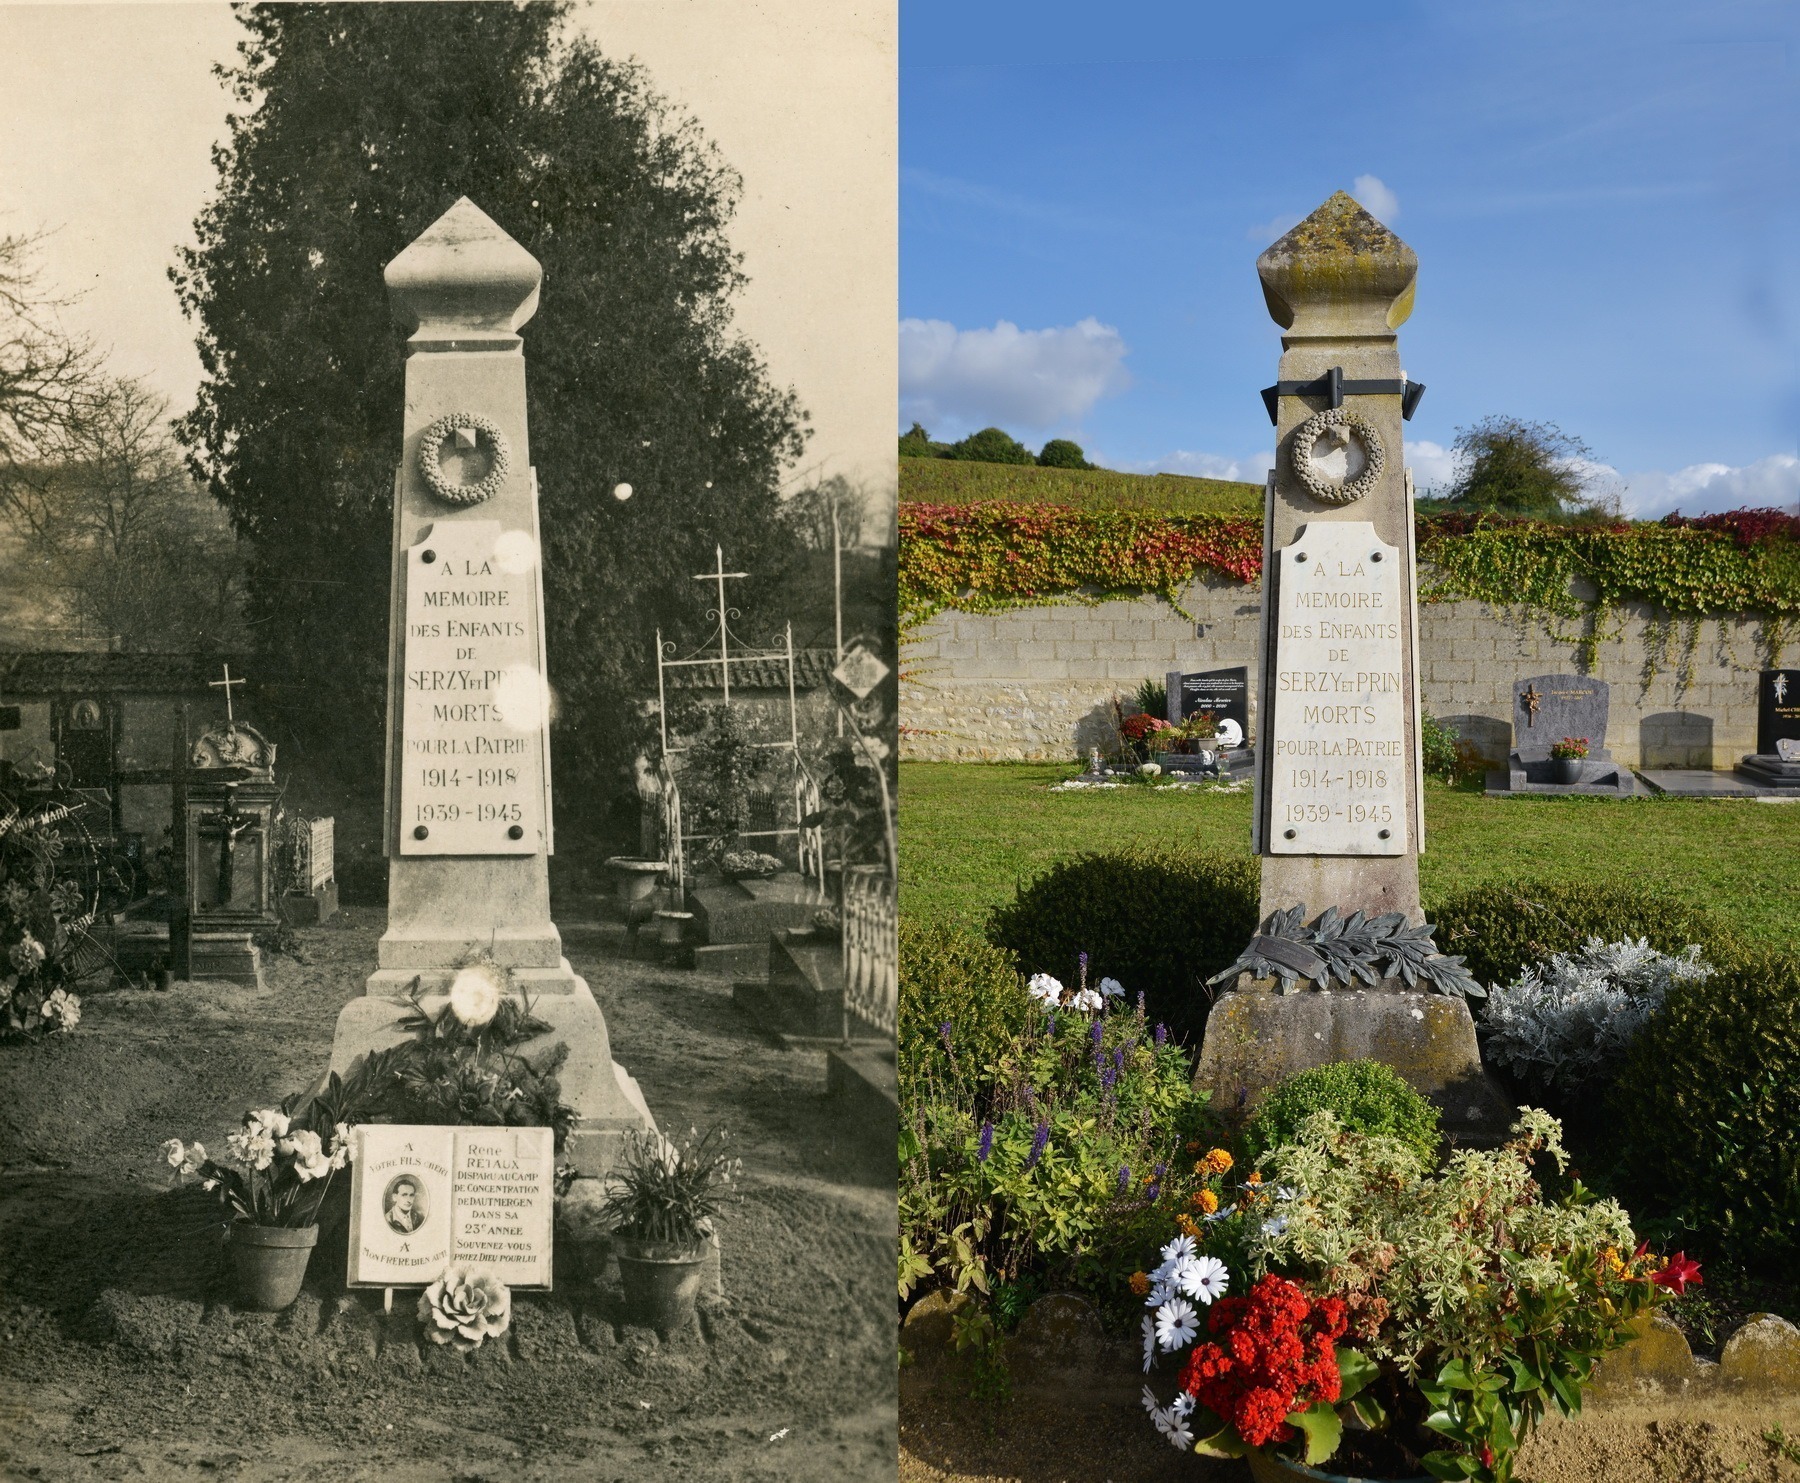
[448, 720]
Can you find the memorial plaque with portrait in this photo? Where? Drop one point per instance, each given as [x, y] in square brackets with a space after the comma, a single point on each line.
[422, 1197]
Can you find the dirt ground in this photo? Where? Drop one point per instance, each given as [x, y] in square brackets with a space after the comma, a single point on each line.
[121, 1356]
[1059, 1439]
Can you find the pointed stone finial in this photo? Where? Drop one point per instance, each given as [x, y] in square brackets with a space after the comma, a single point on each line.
[1340, 272]
[463, 283]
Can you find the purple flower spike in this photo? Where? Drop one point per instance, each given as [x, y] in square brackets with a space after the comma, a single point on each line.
[1109, 1073]
[944, 1034]
[986, 1145]
[1160, 1170]
[1124, 1177]
[1162, 1035]
[1040, 1139]
[1119, 1058]
[1152, 1190]
[1095, 1031]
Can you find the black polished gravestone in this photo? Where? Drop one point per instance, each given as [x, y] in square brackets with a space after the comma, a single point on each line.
[1548, 709]
[1224, 692]
[1776, 760]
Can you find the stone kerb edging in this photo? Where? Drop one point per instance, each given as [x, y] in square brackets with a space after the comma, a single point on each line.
[1059, 1346]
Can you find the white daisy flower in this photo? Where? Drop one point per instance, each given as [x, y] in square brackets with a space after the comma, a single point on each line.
[1180, 1437]
[1112, 988]
[1150, 1404]
[1276, 1227]
[1043, 986]
[1182, 1406]
[1176, 1324]
[1087, 1001]
[1204, 1278]
[1178, 1248]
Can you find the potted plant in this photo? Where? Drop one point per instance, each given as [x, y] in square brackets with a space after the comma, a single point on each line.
[661, 1203]
[1566, 758]
[273, 1183]
[1141, 734]
[1394, 1322]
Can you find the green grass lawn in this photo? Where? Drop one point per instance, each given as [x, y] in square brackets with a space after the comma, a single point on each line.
[971, 832]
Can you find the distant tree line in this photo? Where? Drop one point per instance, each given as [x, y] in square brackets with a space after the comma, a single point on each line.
[994, 445]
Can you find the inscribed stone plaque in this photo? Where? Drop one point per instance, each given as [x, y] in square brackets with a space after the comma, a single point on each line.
[1546, 708]
[1339, 714]
[473, 767]
[1778, 710]
[321, 849]
[1224, 692]
[422, 1197]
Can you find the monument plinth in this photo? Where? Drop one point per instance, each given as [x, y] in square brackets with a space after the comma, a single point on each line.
[468, 820]
[1339, 819]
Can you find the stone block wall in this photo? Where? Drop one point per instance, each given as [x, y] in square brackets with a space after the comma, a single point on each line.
[1038, 683]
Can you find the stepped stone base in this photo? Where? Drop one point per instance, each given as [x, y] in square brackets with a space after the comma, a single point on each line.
[734, 919]
[608, 1101]
[1601, 777]
[311, 910]
[232, 956]
[1256, 1038]
[1770, 771]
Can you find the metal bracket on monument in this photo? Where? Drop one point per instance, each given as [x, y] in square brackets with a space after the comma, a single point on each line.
[1334, 388]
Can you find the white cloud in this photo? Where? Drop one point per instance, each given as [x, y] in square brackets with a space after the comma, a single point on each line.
[1007, 376]
[1249, 470]
[1375, 198]
[1272, 231]
[1432, 464]
[1706, 488]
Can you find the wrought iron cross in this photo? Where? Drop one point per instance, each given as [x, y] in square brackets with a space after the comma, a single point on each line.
[1532, 701]
[226, 685]
[721, 576]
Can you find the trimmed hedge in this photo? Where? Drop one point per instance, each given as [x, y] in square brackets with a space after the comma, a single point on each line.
[1160, 922]
[1367, 1096]
[1501, 927]
[950, 976]
[1707, 1109]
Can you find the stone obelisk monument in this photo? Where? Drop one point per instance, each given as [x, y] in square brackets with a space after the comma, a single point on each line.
[468, 761]
[1339, 819]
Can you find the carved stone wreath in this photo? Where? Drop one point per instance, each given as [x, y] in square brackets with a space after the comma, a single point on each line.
[431, 465]
[1313, 480]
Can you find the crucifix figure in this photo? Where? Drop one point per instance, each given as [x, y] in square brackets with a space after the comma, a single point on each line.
[225, 685]
[1780, 688]
[1532, 701]
[229, 824]
[721, 576]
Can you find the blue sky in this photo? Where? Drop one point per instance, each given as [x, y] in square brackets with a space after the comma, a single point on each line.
[1602, 197]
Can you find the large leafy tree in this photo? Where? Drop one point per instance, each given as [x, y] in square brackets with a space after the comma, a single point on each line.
[357, 126]
[1506, 466]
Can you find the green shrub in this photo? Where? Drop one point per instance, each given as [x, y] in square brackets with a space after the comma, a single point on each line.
[1446, 755]
[1058, 1158]
[1707, 1110]
[1061, 453]
[1366, 1096]
[1160, 922]
[951, 976]
[992, 445]
[1506, 926]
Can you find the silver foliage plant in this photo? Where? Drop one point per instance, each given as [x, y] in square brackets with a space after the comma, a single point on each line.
[1561, 1024]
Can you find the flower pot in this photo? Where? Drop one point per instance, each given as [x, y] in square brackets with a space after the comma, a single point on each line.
[661, 1281]
[1269, 1467]
[671, 927]
[271, 1263]
[634, 881]
[1565, 769]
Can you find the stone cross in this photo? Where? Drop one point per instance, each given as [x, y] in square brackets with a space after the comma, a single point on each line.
[468, 764]
[1339, 781]
[1533, 700]
[225, 685]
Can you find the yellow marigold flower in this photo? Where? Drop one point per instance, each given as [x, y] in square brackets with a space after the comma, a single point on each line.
[1205, 1199]
[1140, 1283]
[1253, 1177]
[1217, 1161]
[1194, 1146]
[1185, 1224]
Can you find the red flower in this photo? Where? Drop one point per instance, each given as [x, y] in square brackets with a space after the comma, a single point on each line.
[1678, 1273]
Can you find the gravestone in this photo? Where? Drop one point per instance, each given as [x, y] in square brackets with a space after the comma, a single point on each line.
[1776, 761]
[468, 770]
[1338, 819]
[1223, 692]
[229, 797]
[312, 895]
[1546, 709]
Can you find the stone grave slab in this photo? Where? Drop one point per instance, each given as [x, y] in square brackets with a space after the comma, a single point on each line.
[1547, 708]
[1693, 782]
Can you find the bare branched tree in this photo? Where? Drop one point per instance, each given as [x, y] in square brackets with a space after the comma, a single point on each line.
[112, 530]
[44, 370]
